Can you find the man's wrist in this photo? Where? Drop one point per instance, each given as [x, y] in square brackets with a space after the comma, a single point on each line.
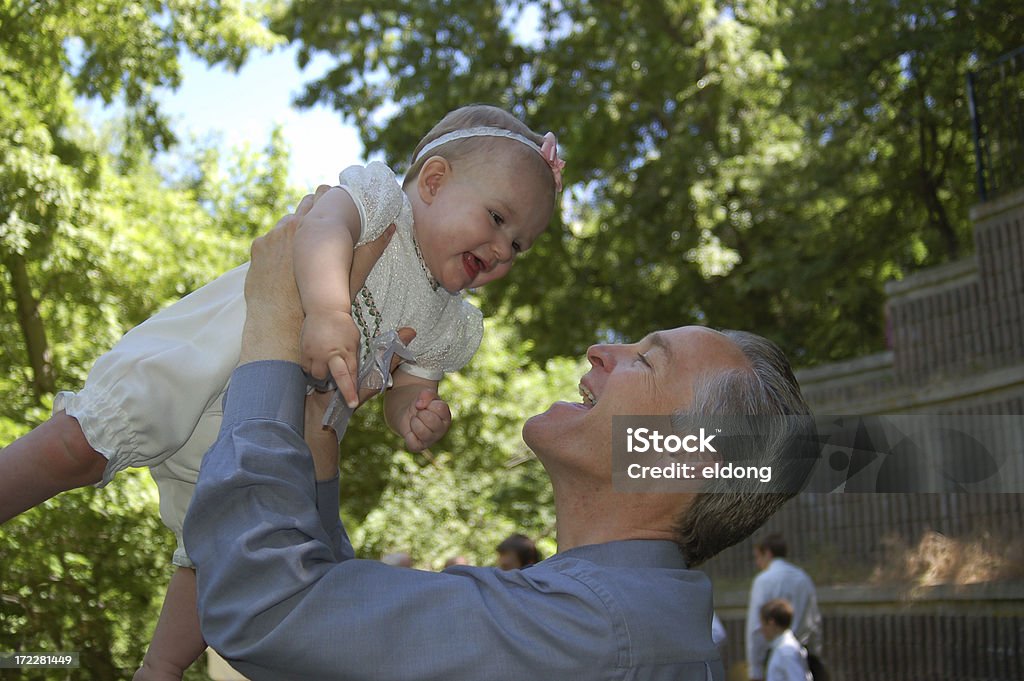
[266, 389]
[263, 340]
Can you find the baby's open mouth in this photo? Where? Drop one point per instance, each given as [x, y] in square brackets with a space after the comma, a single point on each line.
[473, 265]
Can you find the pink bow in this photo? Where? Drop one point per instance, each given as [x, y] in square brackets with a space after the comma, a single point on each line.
[549, 150]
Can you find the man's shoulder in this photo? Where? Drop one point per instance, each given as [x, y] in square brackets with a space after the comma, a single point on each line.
[790, 570]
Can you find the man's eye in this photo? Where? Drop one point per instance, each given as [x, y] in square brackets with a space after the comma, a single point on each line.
[498, 220]
[643, 359]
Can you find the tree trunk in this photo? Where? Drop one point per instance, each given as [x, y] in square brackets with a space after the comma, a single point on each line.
[37, 346]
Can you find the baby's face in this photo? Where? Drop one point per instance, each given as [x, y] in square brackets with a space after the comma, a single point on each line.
[473, 220]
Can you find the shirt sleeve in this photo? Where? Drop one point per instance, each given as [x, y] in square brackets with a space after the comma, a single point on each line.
[377, 195]
[757, 646]
[281, 599]
[327, 498]
[812, 634]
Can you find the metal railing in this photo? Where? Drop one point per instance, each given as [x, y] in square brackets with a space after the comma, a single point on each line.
[996, 94]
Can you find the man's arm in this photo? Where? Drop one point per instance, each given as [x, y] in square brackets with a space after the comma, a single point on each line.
[280, 599]
[279, 602]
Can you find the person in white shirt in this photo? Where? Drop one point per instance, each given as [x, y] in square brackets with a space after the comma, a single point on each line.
[787, 659]
[780, 579]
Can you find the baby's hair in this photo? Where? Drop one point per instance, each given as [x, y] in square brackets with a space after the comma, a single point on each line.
[472, 116]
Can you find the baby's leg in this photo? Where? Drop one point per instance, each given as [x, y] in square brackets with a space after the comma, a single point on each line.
[177, 641]
[52, 458]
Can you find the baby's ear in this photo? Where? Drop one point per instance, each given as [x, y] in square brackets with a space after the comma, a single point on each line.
[434, 173]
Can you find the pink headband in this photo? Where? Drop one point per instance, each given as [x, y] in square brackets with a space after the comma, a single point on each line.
[548, 150]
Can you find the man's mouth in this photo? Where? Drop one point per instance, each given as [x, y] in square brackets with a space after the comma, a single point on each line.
[473, 265]
[588, 397]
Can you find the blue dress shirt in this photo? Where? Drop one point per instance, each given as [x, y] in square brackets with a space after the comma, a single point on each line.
[282, 597]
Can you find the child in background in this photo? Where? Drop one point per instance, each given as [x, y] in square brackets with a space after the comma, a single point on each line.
[480, 190]
[787, 659]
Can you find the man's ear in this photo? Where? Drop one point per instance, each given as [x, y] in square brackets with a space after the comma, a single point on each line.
[434, 173]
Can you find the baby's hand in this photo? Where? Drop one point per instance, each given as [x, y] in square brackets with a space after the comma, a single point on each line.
[330, 343]
[425, 421]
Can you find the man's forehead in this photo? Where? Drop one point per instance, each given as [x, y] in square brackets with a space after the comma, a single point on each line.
[659, 339]
[669, 339]
[704, 345]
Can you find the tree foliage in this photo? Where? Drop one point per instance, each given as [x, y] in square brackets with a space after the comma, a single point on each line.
[54, 179]
[766, 165]
[94, 239]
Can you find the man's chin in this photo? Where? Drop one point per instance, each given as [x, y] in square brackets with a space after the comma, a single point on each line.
[550, 424]
[530, 429]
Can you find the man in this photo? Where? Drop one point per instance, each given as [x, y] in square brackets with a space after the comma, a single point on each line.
[787, 658]
[780, 579]
[282, 597]
[517, 551]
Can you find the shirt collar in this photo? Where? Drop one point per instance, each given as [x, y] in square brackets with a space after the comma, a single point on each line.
[781, 638]
[653, 553]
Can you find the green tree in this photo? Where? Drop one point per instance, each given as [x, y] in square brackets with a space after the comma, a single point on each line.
[765, 165]
[86, 571]
[51, 52]
[884, 181]
[93, 241]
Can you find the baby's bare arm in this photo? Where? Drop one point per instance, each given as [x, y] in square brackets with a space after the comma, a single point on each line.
[323, 252]
[414, 410]
[52, 458]
[323, 263]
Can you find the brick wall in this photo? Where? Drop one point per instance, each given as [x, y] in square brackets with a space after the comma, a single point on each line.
[956, 335]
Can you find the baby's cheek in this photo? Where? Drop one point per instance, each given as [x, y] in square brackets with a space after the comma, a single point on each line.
[497, 273]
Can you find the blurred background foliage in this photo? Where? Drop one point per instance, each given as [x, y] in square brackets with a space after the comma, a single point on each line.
[765, 165]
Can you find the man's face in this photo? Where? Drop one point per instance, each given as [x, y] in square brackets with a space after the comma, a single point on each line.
[762, 558]
[652, 377]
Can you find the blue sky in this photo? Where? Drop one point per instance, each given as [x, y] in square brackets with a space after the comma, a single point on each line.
[242, 108]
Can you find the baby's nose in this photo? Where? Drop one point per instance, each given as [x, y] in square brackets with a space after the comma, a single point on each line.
[503, 251]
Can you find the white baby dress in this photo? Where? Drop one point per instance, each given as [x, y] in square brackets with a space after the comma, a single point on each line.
[155, 398]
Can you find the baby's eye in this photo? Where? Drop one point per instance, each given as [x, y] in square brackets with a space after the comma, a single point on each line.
[498, 219]
[517, 247]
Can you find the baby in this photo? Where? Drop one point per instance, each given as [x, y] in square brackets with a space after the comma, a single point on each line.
[481, 189]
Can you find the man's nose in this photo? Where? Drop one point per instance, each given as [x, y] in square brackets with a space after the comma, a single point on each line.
[602, 356]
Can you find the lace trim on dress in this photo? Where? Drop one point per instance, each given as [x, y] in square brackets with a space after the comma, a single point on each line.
[434, 284]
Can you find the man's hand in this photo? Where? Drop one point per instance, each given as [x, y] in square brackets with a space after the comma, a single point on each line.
[425, 421]
[322, 441]
[273, 309]
[273, 315]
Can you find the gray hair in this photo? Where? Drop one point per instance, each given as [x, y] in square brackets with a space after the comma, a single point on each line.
[717, 519]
